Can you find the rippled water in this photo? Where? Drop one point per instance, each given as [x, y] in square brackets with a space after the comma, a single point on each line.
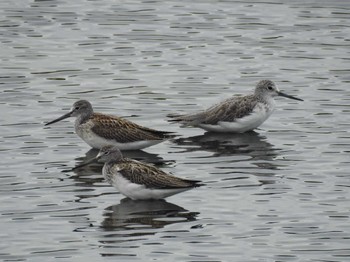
[278, 194]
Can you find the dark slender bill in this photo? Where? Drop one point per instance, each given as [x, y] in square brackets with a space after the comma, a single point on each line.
[95, 159]
[288, 96]
[59, 119]
[84, 164]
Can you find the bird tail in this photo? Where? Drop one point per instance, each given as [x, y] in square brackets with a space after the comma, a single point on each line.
[186, 120]
[195, 183]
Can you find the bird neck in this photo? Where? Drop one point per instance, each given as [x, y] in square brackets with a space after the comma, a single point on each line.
[269, 102]
[84, 117]
[264, 98]
[115, 159]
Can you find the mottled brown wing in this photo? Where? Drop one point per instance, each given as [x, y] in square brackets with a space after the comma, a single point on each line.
[228, 110]
[231, 109]
[150, 176]
[123, 131]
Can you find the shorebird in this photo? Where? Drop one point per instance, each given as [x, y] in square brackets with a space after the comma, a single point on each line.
[138, 180]
[237, 114]
[99, 130]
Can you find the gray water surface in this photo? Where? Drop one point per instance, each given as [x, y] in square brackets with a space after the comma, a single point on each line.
[280, 193]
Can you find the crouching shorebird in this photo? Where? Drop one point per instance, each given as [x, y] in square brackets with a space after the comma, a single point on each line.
[237, 114]
[137, 180]
[99, 130]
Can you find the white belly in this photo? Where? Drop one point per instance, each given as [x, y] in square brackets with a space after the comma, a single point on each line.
[139, 192]
[256, 118]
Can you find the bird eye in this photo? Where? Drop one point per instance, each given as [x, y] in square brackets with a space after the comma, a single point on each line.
[270, 87]
[76, 108]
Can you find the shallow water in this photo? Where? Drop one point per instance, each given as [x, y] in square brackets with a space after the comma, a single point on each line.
[280, 193]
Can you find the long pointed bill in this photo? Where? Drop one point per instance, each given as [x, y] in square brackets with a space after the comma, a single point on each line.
[86, 163]
[99, 156]
[60, 118]
[288, 96]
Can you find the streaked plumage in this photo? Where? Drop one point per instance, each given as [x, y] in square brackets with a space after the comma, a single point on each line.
[99, 130]
[137, 180]
[237, 114]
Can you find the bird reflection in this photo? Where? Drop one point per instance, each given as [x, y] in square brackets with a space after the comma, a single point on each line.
[136, 154]
[251, 143]
[131, 215]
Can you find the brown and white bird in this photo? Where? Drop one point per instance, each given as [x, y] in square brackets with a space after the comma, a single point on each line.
[99, 130]
[138, 180]
[237, 114]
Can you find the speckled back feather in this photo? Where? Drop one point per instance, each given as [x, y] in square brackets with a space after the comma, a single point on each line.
[148, 175]
[119, 129]
[228, 110]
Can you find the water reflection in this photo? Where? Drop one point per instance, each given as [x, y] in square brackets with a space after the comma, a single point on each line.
[133, 154]
[224, 144]
[94, 167]
[130, 215]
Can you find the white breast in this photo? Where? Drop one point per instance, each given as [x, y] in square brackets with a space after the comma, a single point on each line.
[85, 133]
